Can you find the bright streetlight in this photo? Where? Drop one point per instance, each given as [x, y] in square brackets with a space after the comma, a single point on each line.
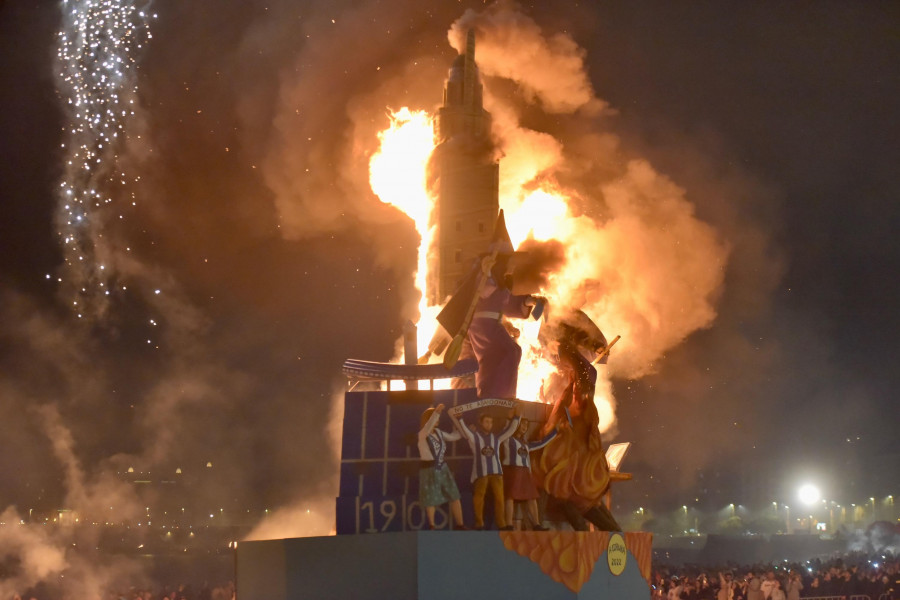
[809, 494]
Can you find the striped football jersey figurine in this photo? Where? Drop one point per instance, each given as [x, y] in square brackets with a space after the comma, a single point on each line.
[436, 483]
[518, 482]
[487, 471]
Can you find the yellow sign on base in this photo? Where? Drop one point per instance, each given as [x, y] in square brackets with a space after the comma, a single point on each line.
[616, 554]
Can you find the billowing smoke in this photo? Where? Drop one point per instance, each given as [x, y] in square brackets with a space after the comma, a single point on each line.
[257, 258]
[649, 258]
[882, 537]
[90, 499]
[638, 260]
[59, 552]
[540, 259]
[302, 519]
[29, 554]
[64, 563]
[548, 68]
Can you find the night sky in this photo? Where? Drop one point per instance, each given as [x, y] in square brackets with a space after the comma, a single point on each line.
[779, 121]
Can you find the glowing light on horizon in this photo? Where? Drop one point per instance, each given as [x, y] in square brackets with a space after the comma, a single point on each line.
[809, 494]
[97, 49]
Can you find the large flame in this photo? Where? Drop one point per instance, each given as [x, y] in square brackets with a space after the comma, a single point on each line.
[645, 269]
[397, 175]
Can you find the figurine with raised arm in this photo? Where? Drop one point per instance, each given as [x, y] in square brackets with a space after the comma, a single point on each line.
[436, 484]
[487, 471]
[518, 482]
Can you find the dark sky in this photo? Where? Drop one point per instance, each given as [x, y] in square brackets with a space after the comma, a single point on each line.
[779, 121]
[798, 101]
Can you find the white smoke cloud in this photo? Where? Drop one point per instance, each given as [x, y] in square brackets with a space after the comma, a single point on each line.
[639, 261]
[91, 498]
[61, 553]
[39, 556]
[549, 68]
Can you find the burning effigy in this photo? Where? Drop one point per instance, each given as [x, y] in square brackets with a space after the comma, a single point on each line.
[481, 293]
[499, 394]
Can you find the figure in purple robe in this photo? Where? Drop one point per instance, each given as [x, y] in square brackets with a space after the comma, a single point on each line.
[487, 292]
[497, 352]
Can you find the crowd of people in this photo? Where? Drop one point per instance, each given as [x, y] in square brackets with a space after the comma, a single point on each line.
[852, 576]
[182, 592]
[225, 591]
[877, 577]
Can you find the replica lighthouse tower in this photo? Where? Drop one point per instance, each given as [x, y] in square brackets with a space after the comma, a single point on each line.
[467, 176]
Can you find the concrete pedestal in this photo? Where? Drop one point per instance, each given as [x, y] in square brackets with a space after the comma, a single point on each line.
[445, 565]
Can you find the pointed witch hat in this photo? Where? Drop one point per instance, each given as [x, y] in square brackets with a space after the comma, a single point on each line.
[453, 315]
[457, 314]
[500, 239]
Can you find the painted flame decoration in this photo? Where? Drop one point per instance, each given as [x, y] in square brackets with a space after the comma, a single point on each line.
[397, 175]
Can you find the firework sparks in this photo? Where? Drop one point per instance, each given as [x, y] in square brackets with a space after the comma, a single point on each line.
[97, 52]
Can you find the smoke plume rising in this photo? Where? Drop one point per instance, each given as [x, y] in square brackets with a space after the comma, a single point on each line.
[637, 259]
[36, 555]
[258, 257]
[548, 68]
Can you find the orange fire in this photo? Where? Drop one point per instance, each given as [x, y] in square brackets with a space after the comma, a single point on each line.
[397, 175]
[646, 269]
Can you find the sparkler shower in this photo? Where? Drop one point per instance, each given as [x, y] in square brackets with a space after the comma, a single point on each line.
[98, 52]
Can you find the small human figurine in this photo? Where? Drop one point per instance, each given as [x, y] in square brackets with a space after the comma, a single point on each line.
[487, 470]
[518, 483]
[436, 483]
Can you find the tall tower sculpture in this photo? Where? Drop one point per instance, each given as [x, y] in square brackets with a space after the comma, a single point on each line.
[466, 176]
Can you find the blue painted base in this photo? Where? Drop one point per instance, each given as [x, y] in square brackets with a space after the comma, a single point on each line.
[424, 565]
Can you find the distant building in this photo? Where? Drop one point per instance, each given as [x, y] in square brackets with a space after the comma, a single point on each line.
[466, 177]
